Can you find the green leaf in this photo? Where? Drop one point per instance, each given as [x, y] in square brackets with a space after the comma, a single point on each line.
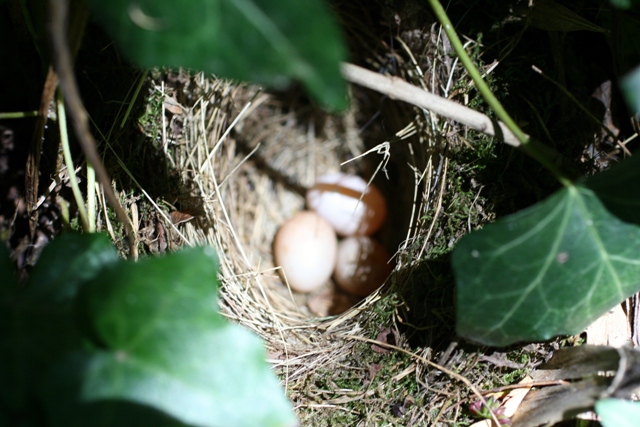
[163, 344]
[263, 41]
[622, 4]
[66, 263]
[549, 270]
[617, 188]
[63, 385]
[630, 85]
[618, 412]
[36, 322]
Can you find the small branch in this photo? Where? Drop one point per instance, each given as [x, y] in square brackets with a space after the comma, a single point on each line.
[446, 371]
[64, 69]
[396, 88]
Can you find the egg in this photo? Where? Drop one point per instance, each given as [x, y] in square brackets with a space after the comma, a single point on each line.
[336, 198]
[362, 265]
[305, 247]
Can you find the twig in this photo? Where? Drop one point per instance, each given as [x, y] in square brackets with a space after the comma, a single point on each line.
[31, 181]
[396, 88]
[64, 69]
[449, 372]
[524, 385]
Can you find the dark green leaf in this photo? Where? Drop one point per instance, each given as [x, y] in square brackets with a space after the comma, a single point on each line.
[7, 270]
[618, 412]
[166, 346]
[549, 270]
[630, 84]
[618, 189]
[67, 262]
[61, 391]
[622, 4]
[263, 41]
[36, 322]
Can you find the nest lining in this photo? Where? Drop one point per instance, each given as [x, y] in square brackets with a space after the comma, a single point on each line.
[251, 155]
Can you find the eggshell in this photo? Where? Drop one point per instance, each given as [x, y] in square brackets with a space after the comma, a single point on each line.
[305, 247]
[336, 198]
[362, 265]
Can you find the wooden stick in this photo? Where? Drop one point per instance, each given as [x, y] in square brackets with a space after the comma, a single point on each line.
[64, 68]
[397, 88]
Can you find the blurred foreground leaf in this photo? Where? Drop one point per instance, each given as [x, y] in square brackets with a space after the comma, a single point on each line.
[36, 324]
[263, 41]
[160, 343]
[549, 270]
[630, 85]
[618, 412]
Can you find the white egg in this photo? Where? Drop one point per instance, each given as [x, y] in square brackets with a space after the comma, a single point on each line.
[336, 198]
[305, 247]
[362, 265]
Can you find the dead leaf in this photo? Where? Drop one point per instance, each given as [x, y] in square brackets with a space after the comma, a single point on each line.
[178, 217]
[388, 336]
[172, 106]
[509, 402]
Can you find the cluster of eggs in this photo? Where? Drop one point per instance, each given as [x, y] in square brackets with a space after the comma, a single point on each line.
[307, 247]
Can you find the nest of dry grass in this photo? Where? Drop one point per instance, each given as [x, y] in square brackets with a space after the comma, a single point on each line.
[249, 156]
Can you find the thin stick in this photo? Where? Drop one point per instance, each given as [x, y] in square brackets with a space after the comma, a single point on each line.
[529, 146]
[396, 88]
[449, 372]
[91, 197]
[64, 69]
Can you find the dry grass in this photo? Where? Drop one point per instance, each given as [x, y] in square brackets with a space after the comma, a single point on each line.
[248, 157]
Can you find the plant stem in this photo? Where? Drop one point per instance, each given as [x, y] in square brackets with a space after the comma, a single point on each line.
[531, 147]
[91, 197]
[64, 140]
[141, 80]
[18, 115]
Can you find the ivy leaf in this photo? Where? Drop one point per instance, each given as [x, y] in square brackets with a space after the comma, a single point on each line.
[621, 4]
[618, 412]
[263, 41]
[549, 270]
[160, 342]
[617, 188]
[630, 84]
[36, 322]
[66, 263]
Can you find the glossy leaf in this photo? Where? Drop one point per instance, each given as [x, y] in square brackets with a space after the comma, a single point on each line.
[618, 412]
[36, 322]
[66, 263]
[549, 270]
[622, 4]
[630, 84]
[160, 342]
[263, 41]
[617, 188]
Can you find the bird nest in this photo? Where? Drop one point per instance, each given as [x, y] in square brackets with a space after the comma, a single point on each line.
[249, 156]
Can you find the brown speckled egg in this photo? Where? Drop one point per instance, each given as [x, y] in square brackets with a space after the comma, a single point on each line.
[305, 247]
[336, 198]
[362, 265]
